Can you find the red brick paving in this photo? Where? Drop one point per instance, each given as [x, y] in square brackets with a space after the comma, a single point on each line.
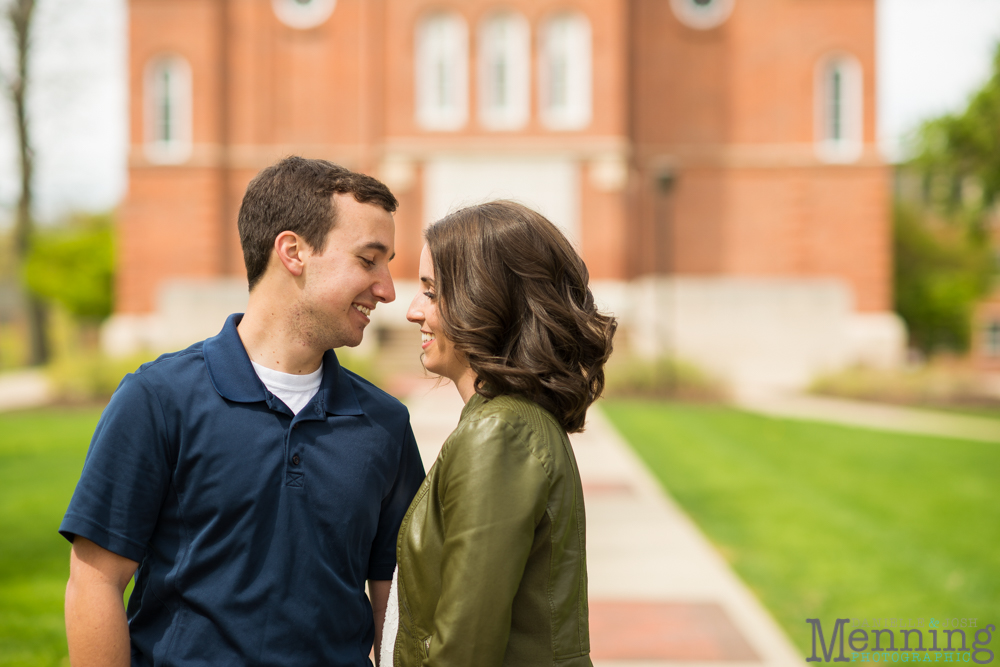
[591, 489]
[621, 630]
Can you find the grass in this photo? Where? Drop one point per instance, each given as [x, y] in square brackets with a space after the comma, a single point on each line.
[41, 455]
[824, 521]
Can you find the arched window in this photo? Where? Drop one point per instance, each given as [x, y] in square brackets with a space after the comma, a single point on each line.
[839, 109]
[564, 72]
[442, 77]
[702, 14]
[168, 110]
[303, 14]
[504, 71]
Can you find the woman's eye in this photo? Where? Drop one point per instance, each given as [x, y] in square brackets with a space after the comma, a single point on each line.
[430, 295]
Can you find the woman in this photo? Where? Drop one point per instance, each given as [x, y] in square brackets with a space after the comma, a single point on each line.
[492, 556]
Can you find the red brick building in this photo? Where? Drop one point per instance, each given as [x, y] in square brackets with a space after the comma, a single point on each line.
[677, 142]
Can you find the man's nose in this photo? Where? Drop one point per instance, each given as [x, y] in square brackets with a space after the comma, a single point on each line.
[384, 290]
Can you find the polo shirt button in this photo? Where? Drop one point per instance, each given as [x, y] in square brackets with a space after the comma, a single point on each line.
[296, 460]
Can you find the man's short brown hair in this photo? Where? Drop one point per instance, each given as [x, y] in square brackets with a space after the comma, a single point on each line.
[296, 195]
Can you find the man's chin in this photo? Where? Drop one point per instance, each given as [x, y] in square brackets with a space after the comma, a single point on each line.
[355, 340]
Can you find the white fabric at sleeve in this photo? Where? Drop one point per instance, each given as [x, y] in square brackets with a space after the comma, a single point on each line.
[390, 628]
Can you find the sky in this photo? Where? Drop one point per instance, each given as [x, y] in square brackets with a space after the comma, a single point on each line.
[932, 54]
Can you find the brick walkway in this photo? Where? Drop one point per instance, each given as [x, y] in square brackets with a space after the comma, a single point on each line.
[660, 596]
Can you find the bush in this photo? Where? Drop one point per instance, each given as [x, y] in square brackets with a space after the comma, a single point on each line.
[88, 377]
[630, 376]
[943, 382]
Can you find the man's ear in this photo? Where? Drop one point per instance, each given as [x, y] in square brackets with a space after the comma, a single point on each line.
[290, 248]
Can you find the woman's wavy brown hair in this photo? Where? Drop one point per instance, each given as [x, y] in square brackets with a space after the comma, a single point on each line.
[513, 297]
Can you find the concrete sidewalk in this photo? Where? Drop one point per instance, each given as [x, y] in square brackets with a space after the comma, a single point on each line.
[24, 389]
[660, 596]
[877, 416]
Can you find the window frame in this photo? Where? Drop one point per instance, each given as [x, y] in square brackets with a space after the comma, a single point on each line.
[176, 149]
[437, 117]
[849, 145]
[577, 113]
[699, 18]
[294, 15]
[516, 113]
[991, 338]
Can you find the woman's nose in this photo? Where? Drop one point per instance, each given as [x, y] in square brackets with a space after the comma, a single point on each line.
[413, 313]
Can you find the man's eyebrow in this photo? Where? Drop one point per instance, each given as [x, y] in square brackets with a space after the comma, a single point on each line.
[380, 247]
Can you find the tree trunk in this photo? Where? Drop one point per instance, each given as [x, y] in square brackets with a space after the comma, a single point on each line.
[19, 15]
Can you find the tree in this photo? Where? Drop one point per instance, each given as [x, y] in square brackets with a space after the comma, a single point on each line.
[73, 265]
[19, 16]
[940, 274]
[957, 151]
[944, 258]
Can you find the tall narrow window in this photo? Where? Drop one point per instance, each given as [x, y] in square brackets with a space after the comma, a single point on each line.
[442, 76]
[504, 71]
[168, 110]
[564, 72]
[839, 109]
[991, 336]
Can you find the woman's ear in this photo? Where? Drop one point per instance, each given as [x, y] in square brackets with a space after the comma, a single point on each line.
[290, 248]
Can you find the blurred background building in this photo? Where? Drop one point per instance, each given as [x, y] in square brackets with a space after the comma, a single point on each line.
[714, 161]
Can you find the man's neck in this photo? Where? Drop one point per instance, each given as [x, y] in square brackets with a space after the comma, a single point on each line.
[270, 342]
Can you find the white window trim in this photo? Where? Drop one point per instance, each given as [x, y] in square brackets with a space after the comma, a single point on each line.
[702, 18]
[302, 17]
[178, 149]
[579, 108]
[430, 116]
[850, 146]
[514, 115]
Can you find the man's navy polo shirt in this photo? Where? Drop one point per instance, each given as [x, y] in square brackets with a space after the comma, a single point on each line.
[255, 529]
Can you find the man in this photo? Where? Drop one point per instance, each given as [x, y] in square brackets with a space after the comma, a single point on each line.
[249, 482]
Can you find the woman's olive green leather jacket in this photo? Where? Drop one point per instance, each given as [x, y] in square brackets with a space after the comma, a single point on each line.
[492, 555]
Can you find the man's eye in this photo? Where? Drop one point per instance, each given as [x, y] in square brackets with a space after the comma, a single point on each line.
[368, 262]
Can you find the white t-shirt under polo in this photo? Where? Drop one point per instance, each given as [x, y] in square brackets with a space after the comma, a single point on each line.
[294, 390]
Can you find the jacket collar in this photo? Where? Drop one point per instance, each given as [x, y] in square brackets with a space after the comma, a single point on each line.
[474, 404]
[234, 378]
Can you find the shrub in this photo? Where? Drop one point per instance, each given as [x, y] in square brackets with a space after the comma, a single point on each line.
[631, 376]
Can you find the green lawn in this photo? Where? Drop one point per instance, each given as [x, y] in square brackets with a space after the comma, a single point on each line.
[826, 521]
[41, 455]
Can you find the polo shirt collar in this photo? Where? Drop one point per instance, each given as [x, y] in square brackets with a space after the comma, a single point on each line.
[235, 379]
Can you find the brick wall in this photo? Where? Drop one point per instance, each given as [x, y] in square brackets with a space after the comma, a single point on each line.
[714, 131]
